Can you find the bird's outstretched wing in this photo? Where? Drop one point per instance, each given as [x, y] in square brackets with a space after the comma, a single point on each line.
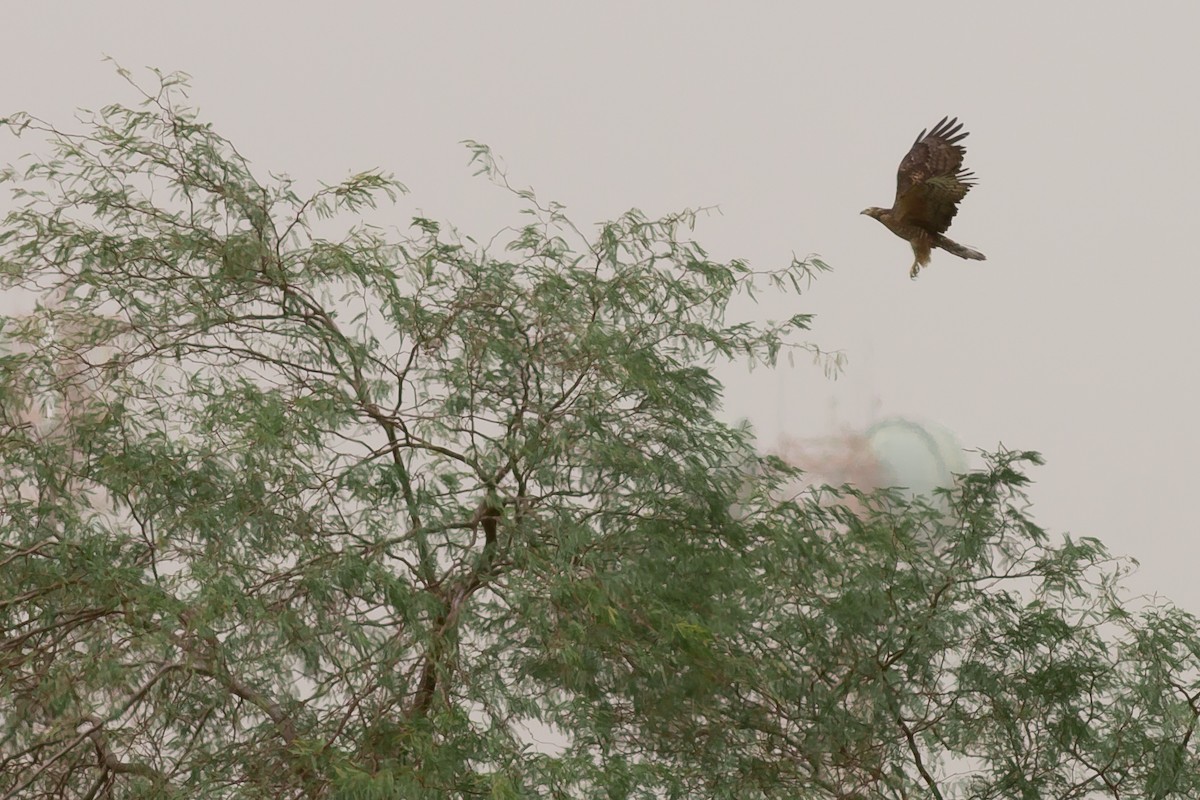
[931, 181]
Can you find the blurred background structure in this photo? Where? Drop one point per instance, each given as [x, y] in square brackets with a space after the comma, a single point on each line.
[918, 457]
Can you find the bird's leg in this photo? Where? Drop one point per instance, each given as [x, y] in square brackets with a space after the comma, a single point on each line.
[916, 267]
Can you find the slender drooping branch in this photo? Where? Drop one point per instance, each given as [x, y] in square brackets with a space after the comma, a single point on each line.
[930, 781]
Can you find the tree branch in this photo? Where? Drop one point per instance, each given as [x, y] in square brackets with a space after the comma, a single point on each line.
[920, 762]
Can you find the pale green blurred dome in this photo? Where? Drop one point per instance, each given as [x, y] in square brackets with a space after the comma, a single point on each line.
[917, 456]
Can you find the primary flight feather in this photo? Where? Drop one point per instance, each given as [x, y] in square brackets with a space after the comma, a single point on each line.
[929, 186]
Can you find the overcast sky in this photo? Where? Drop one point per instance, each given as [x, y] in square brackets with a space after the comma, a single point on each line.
[1077, 337]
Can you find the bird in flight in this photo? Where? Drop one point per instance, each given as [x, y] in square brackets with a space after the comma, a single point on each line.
[929, 186]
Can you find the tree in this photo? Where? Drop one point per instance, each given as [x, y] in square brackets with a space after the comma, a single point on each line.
[380, 515]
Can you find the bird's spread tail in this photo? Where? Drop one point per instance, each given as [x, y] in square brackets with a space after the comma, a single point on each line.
[962, 251]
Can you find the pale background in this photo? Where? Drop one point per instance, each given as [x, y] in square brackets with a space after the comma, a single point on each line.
[1077, 337]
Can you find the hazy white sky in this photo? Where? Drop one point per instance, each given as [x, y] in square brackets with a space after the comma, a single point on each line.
[1077, 337]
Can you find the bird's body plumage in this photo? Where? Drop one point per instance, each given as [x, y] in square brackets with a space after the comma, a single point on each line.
[930, 183]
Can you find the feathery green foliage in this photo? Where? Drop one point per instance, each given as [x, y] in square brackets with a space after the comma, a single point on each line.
[405, 516]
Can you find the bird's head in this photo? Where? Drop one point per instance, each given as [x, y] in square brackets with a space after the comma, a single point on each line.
[873, 212]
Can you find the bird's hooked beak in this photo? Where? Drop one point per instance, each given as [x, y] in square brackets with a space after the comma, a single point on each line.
[866, 211]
